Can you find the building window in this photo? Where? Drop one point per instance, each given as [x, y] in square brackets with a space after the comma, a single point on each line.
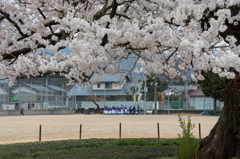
[98, 85]
[108, 85]
[30, 106]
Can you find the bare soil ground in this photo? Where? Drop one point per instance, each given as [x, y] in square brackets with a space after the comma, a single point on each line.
[17, 129]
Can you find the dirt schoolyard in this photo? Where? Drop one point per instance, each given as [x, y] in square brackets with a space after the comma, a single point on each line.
[17, 129]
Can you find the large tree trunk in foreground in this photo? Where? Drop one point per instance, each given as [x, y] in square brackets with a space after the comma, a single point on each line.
[223, 141]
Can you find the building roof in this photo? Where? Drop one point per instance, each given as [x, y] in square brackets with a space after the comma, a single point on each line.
[4, 81]
[38, 87]
[118, 77]
[55, 88]
[109, 93]
[180, 88]
[171, 92]
[84, 91]
[197, 93]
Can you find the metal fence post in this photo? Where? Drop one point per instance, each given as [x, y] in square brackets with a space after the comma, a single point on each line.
[120, 131]
[199, 125]
[80, 132]
[40, 133]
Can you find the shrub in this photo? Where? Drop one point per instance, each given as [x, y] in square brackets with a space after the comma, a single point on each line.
[188, 144]
[122, 143]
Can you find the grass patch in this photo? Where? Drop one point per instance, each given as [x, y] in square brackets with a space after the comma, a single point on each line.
[141, 142]
[93, 148]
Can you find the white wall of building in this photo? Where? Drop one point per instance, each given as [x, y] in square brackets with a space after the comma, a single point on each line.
[4, 92]
[203, 103]
[115, 86]
[95, 86]
[8, 106]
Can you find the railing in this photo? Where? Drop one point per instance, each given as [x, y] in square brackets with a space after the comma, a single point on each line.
[148, 105]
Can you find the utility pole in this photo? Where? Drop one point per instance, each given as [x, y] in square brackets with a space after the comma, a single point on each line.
[155, 93]
[46, 92]
[186, 89]
[179, 100]
[168, 96]
[104, 95]
[145, 91]
[135, 95]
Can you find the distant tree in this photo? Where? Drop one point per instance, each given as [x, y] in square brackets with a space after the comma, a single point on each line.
[174, 97]
[213, 86]
[95, 99]
[130, 92]
[178, 82]
[181, 94]
[161, 86]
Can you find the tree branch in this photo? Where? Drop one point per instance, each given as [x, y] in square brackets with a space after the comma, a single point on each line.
[102, 11]
[44, 17]
[7, 16]
[170, 56]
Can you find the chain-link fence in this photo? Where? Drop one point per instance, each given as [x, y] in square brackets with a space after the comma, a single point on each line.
[52, 93]
[39, 93]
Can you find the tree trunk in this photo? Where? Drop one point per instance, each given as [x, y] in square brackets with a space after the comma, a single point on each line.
[215, 106]
[98, 109]
[223, 142]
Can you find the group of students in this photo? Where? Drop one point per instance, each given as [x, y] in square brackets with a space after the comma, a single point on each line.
[122, 110]
[135, 110]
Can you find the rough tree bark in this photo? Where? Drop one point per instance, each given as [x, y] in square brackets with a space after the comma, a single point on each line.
[223, 142]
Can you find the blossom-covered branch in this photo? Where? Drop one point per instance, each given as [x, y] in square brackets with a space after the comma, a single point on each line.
[160, 33]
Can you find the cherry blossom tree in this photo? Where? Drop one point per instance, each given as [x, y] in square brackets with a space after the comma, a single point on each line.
[195, 34]
[95, 99]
